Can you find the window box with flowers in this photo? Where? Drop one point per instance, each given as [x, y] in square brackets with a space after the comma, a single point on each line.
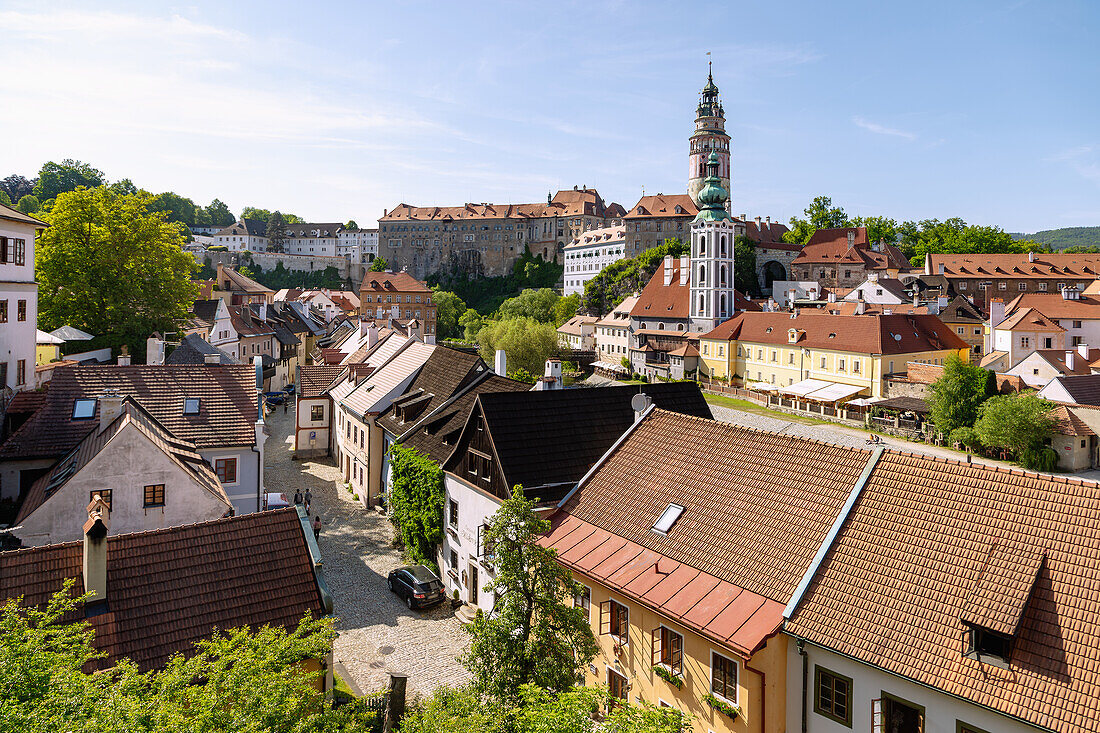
[668, 676]
[730, 711]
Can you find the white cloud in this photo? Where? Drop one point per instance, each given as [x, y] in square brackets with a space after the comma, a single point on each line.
[882, 129]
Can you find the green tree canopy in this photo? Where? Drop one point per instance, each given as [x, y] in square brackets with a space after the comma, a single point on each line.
[527, 342]
[4, 198]
[55, 179]
[123, 187]
[351, 225]
[624, 277]
[955, 236]
[178, 208]
[955, 397]
[565, 308]
[276, 232]
[820, 214]
[251, 212]
[537, 305]
[378, 264]
[744, 267]
[471, 322]
[16, 186]
[110, 266]
[879, 228]
[29, 204]
[533, 636]
[448, 309]
[1018, 422]
[219, 213]
[537, 711]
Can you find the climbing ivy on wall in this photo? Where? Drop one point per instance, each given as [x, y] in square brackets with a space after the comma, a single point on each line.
[416, 503]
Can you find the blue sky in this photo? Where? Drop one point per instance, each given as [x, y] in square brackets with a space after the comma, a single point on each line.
[985, 110]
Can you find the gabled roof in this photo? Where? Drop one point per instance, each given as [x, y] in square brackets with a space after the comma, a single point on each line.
[240, 282]
[373, 394]
[575, 326]
[658, 300]
[1083, 389]
[832, 247]
[1029, 319]
[961, 310]
[619, 315]
[193, 350]
[891, 285]
[1067, 423]
[553, 437]
[769, 235]
[181, 452]
[169, 588]
[247, 323]
[71, 333]
[1057, 360]
[664, 206]
[1039, 265]
[228, 406]
[392, 282]
[244, 227]
[906, 564]
[7, 212]
[866, 334]
[1053, 305]
[315, 379]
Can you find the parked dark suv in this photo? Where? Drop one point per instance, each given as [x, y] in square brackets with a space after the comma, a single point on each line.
[417, 585]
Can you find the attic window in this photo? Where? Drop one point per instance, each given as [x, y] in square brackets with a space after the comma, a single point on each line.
[83, 409]
[668, 518]
[191, 406]
[768, 330]
[832, 335]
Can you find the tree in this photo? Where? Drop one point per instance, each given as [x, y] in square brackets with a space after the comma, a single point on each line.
[955, 236]
[379, 264]
[532, 636]
[534, 304]
[820, 214]
[122, 187]
[220, 215]
[955, 397]
[620, 279]
[351, 225]
[536, 711]
[566, 308]
[472, 323]
[16, 186]
[416, 503]
[527, 342]
[276, 232]
[4, 198]
[176, 207]
[879, 228]
[249, 680]
[108, 265]
[55, 179]
[744, 267]
[250, 212]
[448, 310]
[29, 204]
[1017, 422]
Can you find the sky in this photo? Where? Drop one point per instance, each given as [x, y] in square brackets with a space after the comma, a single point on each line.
[989, 111]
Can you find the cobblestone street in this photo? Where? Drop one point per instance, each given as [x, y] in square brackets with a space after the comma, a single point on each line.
[377, 633]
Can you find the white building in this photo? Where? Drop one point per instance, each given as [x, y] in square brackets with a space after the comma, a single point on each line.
[245, 235]
[589, 253]
[1040, 367]
[1011, 339]
[312, 239]
[613, 332]
[879, 291]
[358, 245]
[712, 235]
[18, 300]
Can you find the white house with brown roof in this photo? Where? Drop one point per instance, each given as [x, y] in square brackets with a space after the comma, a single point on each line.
[149, 478]
[589, 252]
[1041, 366]
[243, 235]
[612, 334]
[578, 333]
[18, 300]
[1010, 338]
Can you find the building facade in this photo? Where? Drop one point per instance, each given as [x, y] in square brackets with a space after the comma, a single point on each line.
[587, 254]
[398, 295]
[18, 301]
[709, 138]
[244, 235]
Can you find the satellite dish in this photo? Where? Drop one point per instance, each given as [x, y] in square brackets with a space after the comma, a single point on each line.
[640, 402]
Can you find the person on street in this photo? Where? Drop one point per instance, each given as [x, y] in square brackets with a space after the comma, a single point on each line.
[309, 500]
[298, 496]
[317, 526]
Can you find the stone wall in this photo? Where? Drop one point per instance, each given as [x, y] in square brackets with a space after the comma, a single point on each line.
[349, 270]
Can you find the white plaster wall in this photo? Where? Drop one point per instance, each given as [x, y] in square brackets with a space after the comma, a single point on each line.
[128, 463]
[306, 424]
[475, 507]
[17, 338]
[868, 683]
[1089, 332]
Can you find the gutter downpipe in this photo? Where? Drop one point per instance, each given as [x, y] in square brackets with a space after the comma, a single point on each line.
[805, 678]
[763, 696]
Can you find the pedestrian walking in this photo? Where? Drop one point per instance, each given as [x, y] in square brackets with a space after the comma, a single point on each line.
[286, 404]
[309, 500]
[317, 526]
[298, 496]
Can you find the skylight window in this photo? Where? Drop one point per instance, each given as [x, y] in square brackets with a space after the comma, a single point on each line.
[83, 409]
[191, 406]
[668, 518]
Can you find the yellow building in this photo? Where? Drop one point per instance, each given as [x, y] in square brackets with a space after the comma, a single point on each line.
[687, 542]
[787, 350]
[47, 348]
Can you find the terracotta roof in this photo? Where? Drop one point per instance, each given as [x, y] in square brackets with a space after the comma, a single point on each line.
[866, 334]
[169, 588]
[907, 566]
[1066, 423]
[831, 246]
[783, 492]
[622, 308]
[663, 206]
[849, 308]
[603, 235]
[575, 325]
[181, 452]
[243, 283]
[658, 300]
[1029, 319]
[553, 437]
[769, 236]
[392, 282]
[1057, 359]
[7, 212]
[686, 350]
[566, 202]
[315, 379]
[1046, 266]
[715, 608]
[29, 401]
[1053, 305]
[227, 415]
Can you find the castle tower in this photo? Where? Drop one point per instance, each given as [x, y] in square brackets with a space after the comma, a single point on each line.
[709, 137]
[712, 235]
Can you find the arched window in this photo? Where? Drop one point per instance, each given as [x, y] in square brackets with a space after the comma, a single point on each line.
[723, 250]
[703, 275]
[722, 277]
[660, 327]
[702, 245]
[702, 302]
[722, 304]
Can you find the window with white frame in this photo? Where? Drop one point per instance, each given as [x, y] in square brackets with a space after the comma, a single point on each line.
[723, 677]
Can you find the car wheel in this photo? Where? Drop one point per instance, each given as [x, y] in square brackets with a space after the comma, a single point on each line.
[390, 584]
[409, 602]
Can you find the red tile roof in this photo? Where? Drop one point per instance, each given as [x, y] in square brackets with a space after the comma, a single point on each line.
[1071, 267]
[831, 246]
[169, 588]
[392, 282]
[1029, 319]
[658, 300]
[663, 206]
[1053, 305]
[1057, 359]
[315, 379]
[228, 411]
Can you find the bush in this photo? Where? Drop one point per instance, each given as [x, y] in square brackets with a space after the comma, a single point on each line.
[218, 248]
[966, 436]
[1039, 459]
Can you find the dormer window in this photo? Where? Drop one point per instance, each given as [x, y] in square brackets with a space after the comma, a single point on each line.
[994, 612]
[191, 406]
[83, 409]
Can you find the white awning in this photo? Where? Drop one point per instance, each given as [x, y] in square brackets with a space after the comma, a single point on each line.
[834, 392]
[608, 366]
[805, 387]
[761, 386]
[864, 401]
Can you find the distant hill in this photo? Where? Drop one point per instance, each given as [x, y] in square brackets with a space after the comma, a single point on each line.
[1062, 238]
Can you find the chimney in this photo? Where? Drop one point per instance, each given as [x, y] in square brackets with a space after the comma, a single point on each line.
[501, 367]
[996, 312]
[263, 311]
[668, 270]
[110, 407]
[124, 356]
[1030, 256]
[685, 273]
[1071, 360]
[363, 327]
[414, 330]
[95, 551]
[154, 350]
[372, 335]
[219, 276]
[861, 307]
[758, 223]
[1083, 350]
[851, 237]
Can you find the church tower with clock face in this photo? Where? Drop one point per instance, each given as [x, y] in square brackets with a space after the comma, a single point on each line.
[709, 138]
